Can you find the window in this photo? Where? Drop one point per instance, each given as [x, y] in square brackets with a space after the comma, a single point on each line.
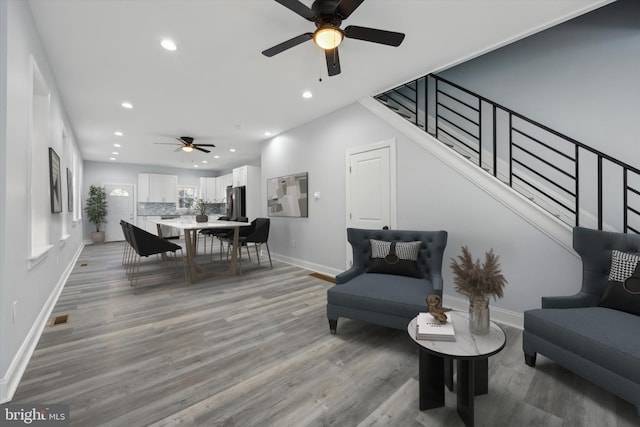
[186, 196]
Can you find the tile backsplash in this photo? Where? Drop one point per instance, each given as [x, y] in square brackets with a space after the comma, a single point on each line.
[170, 209]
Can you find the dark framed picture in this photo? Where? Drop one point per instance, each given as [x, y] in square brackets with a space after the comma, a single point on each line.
[69, 190]
[55, 181]
[288, 195]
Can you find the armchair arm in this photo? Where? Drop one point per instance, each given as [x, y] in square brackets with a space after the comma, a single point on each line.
[345, 276]
[581, 299]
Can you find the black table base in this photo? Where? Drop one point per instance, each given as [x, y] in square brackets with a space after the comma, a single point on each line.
[435, 372]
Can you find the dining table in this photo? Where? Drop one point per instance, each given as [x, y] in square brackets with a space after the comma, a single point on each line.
[191, 228]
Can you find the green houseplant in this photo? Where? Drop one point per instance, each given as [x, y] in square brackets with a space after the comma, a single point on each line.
[96, 209]
[201, 207]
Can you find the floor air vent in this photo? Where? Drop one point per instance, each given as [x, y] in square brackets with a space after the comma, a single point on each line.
[323, 277]
[61, 320]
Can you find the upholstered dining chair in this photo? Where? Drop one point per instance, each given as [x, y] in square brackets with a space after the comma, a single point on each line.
[213, 234]
[258, 234]
[145, 244]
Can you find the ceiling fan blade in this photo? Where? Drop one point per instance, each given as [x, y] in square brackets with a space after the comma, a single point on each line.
[333, 61]
[299, 8]
[201, 149]
[184, 142]
[287, 45]
[346, 7]
[374, 35]
[177, 149]
[203, 145]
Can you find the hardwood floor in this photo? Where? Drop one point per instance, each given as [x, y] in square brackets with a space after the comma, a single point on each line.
[255, 350]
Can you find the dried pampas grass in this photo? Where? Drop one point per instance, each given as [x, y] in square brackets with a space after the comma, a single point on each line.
[477, 280]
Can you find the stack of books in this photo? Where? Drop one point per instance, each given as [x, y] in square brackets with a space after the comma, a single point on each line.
[430, 328]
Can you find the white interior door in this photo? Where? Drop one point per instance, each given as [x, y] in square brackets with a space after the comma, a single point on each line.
[121, 205]
[371, 188]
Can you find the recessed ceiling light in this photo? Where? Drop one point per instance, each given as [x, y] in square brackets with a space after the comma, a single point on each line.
[195, 166]
[267, 134]
[233, 150]
[112, 158]
[118, 133]
[116, 145]
[216, 157]
[204, 161]
[169, 44]
[307, 94]
[115, 153]
[127, 105]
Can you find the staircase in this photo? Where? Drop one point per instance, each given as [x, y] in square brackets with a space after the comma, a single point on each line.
[576, 184]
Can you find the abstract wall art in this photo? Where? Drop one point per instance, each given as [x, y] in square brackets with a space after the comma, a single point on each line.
[288, 195]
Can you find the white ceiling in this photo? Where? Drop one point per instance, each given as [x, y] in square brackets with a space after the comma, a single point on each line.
[219, 88]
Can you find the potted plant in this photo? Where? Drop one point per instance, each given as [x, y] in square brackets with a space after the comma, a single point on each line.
[96, 209]
[478, 282]
[201, 207]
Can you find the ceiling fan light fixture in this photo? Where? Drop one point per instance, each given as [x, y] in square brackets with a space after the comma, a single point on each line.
[187, 148]
[328, 37]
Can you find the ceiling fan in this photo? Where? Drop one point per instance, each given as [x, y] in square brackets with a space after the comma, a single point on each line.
[327, 16]
[187, 145]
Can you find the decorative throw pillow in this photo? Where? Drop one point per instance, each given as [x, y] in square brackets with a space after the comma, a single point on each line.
[395, 258]
[623, 290]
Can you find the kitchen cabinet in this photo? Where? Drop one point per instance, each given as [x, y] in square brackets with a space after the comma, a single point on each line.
[222, 182]
[240, 176]
[214, 190]
[156, 188]
[208, 189]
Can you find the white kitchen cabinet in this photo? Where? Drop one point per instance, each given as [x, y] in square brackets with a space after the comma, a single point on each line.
[208, 189]
[156, 188]
[240, 176]
[222, 182]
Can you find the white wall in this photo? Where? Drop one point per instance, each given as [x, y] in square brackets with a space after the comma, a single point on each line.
[579, 78]
[33, 287]
[430, 196]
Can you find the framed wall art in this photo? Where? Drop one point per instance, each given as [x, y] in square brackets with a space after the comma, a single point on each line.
[55, 181]
[288, 195]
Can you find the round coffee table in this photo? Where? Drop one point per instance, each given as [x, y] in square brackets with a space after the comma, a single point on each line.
[471, 353]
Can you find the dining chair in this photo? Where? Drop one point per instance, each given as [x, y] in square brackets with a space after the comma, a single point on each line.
[145, 244]
[258, 234]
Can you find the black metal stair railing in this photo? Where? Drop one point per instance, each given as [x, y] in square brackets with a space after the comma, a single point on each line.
[578, 184]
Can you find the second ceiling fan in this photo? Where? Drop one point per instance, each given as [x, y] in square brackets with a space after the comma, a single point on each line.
[328, 16]
[188, 145]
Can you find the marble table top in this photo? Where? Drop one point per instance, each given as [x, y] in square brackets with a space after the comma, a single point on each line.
[466, 345]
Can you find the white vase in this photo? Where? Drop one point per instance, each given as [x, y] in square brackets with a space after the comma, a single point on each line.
[479, 315]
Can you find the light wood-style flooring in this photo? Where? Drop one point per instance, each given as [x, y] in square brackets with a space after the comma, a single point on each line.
[255, 350]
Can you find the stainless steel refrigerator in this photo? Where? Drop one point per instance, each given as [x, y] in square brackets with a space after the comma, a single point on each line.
[236, 202]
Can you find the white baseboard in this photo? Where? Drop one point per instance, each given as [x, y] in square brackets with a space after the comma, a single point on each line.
[499, 315]
[9, 383]
[318, 268]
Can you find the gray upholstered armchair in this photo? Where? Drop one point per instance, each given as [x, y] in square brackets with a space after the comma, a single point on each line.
[386, 299]
[597, 342]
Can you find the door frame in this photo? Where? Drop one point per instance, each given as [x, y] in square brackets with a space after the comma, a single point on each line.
[393, 217]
